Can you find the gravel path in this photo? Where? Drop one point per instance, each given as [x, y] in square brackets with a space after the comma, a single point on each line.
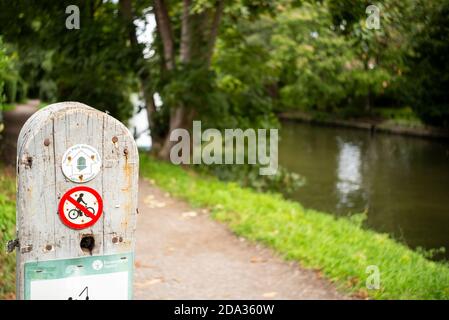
[181, 253]
[14, 120]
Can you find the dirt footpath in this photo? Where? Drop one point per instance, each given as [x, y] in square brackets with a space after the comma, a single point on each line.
[14, 120]
[182, 253]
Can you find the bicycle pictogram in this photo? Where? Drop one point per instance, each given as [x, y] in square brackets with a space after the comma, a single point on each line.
[75, 213]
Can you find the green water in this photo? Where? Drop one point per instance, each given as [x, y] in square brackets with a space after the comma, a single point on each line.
[402, 182]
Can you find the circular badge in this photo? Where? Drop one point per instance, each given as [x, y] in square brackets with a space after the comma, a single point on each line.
[80, 207]
[81, 163]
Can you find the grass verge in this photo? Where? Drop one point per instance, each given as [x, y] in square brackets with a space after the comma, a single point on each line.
[339, 247]
[7, 223]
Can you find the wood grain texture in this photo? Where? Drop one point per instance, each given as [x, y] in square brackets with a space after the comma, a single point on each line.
[41, 184]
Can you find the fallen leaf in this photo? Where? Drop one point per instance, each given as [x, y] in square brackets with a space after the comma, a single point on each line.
[170, 249]
[270, 294]
[151, 202]
[189, 214]
[361, 294]
[148, 283]
[138, 264]
[256, 259]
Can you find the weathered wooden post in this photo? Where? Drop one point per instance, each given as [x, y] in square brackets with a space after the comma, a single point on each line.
[77, 171]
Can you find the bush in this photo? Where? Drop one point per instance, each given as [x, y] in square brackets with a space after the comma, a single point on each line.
[12, 87]
[7, 223]
[428, 75]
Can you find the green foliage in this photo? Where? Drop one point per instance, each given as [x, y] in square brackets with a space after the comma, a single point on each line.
[231, 93]
[338, 247]
[321, 57]
[7, 223]
[93, 65]
[12, 87]
[242, 77]
[428, 62]
[298, 59]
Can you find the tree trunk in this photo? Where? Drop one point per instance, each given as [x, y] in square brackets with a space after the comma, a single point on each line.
[126, 12]
[178, 113]
[186, 33]
[368, 101]
[165, 31]
[219, 7]
[177, 117]
[193, 31]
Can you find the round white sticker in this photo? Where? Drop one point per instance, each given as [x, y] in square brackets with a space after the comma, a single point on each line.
[81, 163]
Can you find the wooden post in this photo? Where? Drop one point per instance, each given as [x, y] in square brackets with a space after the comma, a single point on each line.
[77, 183]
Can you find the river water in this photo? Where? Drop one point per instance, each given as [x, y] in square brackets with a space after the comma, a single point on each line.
[402, 182]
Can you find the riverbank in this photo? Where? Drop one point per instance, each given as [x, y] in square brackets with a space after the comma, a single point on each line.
[338, 247]
[374, 124]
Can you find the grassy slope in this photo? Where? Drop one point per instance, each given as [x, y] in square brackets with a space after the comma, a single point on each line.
[338, 247]
[7, 222]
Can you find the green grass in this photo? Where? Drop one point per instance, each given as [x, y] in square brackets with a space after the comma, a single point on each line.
[43, 104]
[338, 247]
[7, 106]
[7, 223]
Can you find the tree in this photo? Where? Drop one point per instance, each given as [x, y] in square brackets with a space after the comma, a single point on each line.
[98, 63]
[93, 64]
[427, 74]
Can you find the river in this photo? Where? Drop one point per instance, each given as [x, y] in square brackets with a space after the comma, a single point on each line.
[401, 182]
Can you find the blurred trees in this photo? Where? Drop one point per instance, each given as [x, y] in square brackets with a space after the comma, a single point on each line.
[231, 63]
[321, 57]
[187, 33]
[310, 59]
[427, 77]
[91, 65]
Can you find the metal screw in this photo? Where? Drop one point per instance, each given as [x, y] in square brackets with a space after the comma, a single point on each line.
[114, 139]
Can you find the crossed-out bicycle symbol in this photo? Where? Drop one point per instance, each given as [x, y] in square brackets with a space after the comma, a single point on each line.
[75, 213]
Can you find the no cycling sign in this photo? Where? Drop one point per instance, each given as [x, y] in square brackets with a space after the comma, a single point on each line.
[80, 207]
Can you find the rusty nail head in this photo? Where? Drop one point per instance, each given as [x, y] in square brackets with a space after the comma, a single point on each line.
[29, 161]
[125, 151]
[114, 240]
[114, 139]
[48, 247]
[26, 249]
[46, 142]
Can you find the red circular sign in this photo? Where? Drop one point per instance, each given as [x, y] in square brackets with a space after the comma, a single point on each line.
[80, 207]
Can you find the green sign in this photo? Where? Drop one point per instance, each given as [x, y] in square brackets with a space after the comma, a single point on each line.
[107, 277]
